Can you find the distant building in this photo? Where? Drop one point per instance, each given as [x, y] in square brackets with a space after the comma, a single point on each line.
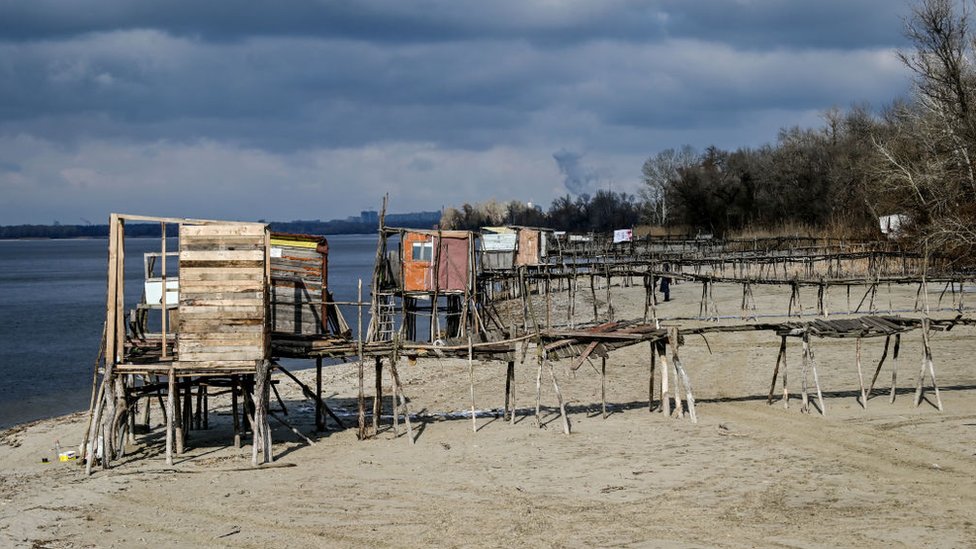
[369, 216]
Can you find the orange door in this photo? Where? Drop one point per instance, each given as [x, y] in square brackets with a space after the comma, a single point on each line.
[418, 252]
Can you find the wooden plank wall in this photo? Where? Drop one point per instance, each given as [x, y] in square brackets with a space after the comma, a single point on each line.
[223, 295]
[296, 290]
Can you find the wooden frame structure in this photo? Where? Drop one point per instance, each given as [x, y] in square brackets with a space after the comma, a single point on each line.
[226, 335]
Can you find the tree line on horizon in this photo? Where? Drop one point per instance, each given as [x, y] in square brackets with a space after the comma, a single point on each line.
[915, 157]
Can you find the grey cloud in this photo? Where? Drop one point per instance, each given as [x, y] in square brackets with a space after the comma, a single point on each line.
[442, 90]
[747, 23]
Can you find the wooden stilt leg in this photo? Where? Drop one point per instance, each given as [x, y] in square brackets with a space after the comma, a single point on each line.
[804, 398]
[198, 414]
[681, 374]
[178, 418]
[816, 380]
[398, 392]
[779, 358]
[665, 395]
[538, 394]
[603, 386]
[877, 370]
[206, 406]
[679, 407]
[378, 395]
[319, 412]
[559, 397]
[510, 391]
[894, 367]
[474, 419]
[234, 388]
[926, 364]
[170, 415]
[650, 377]
[860, 377]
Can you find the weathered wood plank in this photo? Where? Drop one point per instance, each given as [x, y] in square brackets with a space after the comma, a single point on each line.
[228, 325]
[256, 354]
[188, 274]
[221, 229]
[208, 300]
[222, 255]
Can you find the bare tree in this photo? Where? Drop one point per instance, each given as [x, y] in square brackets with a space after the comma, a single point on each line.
[659, 172]
[926, 157]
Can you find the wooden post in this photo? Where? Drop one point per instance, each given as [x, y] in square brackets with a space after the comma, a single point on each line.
[860, 377]
[682, 375]
[877, 370]
[319, 412]
[596, 314]
[398, 393]
[378, 396]
[361, 434]
[559, 395]
[178, 431]
[926, 362]
[665, 395]
[804, 400]
[603, 386]
[474, 419]
[780, 359]
[164, 301]
[261, 427]
[650, 377]
[538, 392]
[198, 414]
[234, 388]
[548, 301]
[510, 392]
[170, 414]
[816, 378]
[894, 367]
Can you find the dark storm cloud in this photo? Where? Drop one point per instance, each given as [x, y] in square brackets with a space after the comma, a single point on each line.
[754, 23]
[105, 95]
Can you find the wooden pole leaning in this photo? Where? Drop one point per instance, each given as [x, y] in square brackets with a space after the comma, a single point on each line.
[780, 359]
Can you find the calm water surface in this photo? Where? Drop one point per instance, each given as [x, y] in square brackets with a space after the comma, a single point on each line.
[52, 306]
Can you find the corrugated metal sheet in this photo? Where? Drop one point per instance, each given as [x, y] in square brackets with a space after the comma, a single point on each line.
[499, 242]
[497, 261]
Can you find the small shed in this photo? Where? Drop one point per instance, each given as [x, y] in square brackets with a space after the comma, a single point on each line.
[506, 247]
[436, 261]
[497, 249]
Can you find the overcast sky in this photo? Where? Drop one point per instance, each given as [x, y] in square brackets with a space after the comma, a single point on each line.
[312, 109]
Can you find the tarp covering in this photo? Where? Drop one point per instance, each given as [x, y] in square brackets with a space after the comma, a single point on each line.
[623, 235]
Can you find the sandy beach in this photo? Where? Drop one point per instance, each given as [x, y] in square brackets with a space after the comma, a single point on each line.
[747, 475]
